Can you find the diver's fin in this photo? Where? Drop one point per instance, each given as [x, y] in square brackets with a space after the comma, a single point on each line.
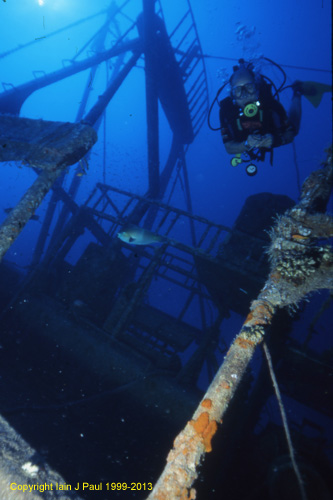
[314, 91]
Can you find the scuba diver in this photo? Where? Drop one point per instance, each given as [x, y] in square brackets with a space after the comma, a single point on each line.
[253, 121]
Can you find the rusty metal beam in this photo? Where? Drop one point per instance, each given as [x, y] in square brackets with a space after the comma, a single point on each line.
[12, 100]
[298, 267]
[51, 146]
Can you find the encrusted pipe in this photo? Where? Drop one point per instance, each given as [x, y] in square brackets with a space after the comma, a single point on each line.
[298, 267]
[196, 438]
[52, 146]
[20, 215]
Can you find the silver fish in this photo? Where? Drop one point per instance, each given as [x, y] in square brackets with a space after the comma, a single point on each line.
[135, 235]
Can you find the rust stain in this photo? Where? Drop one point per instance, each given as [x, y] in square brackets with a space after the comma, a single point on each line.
[260, 315]
[249, 318]
[275, 277]
[244, 343]
[299, 237]
[225, 385]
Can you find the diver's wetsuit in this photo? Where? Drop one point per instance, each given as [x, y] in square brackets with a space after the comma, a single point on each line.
[271, 118]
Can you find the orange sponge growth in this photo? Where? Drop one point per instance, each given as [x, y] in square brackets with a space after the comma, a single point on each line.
[189, 495]
[205, 429]
[207, 403]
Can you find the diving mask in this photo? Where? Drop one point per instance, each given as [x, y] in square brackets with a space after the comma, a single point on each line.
[248, 88]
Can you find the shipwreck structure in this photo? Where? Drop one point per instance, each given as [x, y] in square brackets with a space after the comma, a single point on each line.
[99, 370]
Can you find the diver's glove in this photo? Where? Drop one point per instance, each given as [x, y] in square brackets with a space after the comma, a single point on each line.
[297, 87]
[259, 141]
[253, 141]
[304, 88]
[266, 141]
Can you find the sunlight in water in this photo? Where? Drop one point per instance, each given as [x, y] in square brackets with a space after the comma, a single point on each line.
[55, 5]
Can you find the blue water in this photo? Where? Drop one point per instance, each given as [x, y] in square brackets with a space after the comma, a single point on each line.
[290, 34]
[296, 35]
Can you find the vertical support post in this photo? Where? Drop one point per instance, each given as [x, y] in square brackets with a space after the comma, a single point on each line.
[151, 97]
[188, 196]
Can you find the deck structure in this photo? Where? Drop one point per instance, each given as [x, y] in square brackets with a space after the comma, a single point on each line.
[106, 318]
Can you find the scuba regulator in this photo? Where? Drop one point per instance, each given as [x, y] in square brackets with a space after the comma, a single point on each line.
[251, 109]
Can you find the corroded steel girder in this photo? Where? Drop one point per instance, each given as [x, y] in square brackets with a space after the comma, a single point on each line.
[298, 267]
